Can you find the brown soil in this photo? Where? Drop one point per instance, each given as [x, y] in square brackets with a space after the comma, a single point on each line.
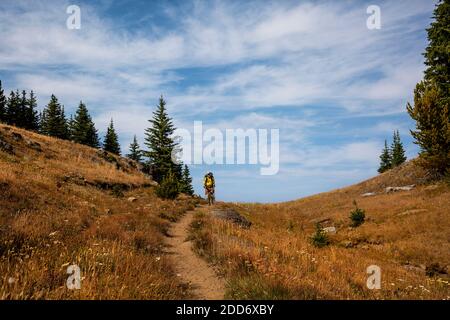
[201, 277]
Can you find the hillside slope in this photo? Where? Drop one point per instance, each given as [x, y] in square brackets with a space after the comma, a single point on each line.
[61, 204]
[406, 234]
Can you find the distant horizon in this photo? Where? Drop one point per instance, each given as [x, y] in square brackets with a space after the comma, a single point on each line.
[334, 88]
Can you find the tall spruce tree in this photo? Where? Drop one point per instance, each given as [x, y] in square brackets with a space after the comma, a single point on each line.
[23, 110]
[13, 108]
[385, 159]
[135, 151]
[2, 104]
[53, 121]
[82, 128]
[431, 109]
[437, 53]
[186, 182]
[397, 151]
[31, 116]
[111, 141]
[160, 143]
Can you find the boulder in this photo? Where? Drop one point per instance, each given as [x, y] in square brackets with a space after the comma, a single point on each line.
[330, 230]
[368, 194]
[132, 199]
[404, 188]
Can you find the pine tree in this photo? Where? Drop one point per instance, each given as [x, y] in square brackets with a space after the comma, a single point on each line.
[431, 109]
[385, 159]
[111, 141]
[53, 121]
[158, 140]
[398, 153]
[82, 128]
[135, 151]
[31, 117]
[186, 182]
[2, 104]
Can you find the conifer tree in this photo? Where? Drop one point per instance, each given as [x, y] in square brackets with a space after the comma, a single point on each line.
[53, 121]
[111, 141]
[82, 128]
[431, 109]
[160, 143]
[135, 151]
[13, 108]
[2, 104]
[22, 111]
[398, 153]
[31, 117]
[385, 159]
[186, 182]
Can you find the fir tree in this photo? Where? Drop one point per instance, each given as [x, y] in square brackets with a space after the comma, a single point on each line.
[437, 53]
[111, 141]
[431, 109]
[385, 159]
[82, 128]
[398, 153]
[53, 121]
[13, 108]
[158, 140]
[135, 151]
[22, 111]
[31, 117]
[186, 182]
[2, 104]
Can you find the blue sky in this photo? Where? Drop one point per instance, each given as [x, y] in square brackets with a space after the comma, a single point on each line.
[334, 88]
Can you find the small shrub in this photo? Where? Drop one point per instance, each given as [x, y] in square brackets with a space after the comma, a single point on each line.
[320, 238]
[357, 216]
[168, 188]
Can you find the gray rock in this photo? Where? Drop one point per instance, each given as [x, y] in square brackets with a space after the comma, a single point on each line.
[330, 230]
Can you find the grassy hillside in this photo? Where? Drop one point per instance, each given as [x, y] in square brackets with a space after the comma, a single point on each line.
[62, 203]
[406, 234]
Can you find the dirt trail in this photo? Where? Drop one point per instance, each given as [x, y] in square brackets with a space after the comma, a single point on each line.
[204, 282]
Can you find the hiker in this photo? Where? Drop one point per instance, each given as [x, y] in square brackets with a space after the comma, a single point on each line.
[209, 185]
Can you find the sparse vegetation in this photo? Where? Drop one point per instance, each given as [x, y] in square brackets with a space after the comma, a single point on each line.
[65, 217]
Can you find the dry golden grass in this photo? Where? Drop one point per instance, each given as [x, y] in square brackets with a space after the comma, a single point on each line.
[404, 234]
[57, 209]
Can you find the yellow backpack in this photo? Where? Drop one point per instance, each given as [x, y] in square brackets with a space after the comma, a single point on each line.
[209, 181]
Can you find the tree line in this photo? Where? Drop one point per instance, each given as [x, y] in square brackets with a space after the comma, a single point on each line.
[20, 110]
[431, 108]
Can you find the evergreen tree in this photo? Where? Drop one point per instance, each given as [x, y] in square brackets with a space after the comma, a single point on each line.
[431, 109]
[53, 121]
[385, 159]
[13, 108]
[111, 142]
[31, 117]
[158, 140]
[437, 54]
[2, 104]
[23, 110]
[135, 151]
[82, 128]
[398, 153]
[186, 182]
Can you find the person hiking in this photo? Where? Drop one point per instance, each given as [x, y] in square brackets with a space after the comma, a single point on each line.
[209, 185]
